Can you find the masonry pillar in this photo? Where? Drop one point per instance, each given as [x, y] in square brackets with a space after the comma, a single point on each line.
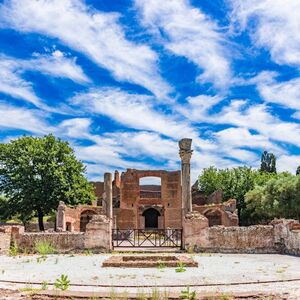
[185, 154]
[98, 234]
[60, 217]
[108, 209]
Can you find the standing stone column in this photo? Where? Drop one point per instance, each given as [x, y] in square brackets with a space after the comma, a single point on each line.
[108, 209]
[185, 153]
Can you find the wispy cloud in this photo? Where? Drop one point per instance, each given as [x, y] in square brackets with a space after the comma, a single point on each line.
[134, 111]
[273, 24]
[187, 31]
[29, 120]
[285, 93]
[55, 64]
[98, 35]
[11, 82]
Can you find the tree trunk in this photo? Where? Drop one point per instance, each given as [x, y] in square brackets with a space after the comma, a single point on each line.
[41, 217]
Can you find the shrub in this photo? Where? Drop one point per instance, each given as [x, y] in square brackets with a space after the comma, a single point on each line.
[44, 248]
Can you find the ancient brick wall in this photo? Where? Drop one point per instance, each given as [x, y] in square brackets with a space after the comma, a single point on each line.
[132, 205]
[62, 241]
[281, 236]
[5, 239]
[252, 239]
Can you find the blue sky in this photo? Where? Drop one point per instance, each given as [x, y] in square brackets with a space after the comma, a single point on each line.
[123, 81]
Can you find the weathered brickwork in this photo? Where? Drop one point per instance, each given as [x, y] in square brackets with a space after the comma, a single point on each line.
[61, 241]
[281, 236]
[5, 239]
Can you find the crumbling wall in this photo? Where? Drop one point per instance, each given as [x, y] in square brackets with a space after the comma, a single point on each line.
[252, 239]
[281, 236]
[287, 236]
[61, 241]
[5, 239]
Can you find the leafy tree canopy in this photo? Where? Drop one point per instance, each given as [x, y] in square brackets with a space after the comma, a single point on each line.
[298, 171]
[279, 197]
[37, 173]
[234, 183]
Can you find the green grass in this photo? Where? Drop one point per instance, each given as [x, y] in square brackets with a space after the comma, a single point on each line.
[14, 250]
[44, 248]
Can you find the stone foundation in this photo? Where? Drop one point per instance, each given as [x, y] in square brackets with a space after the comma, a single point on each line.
[61, 241]
[281, 236]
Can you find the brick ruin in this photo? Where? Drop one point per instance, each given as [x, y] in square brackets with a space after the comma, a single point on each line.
[207, 223]
[150, 206]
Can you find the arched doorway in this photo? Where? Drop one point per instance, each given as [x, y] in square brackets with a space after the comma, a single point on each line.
[151, 218]
[85, 218]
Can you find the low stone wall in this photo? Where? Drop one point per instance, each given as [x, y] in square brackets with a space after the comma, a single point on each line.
[5, 239]
[61, 241]
[252, 239]
[281, 236]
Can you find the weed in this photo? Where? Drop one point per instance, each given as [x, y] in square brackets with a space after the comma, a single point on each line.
[29, 289]
[155, 295]
[44, 248]
[44, 285]
[40, 259]
[87, 252]
[113, 295]
[180, 267]
[141, 296]
[225, 297]
[161, 266]
[62, 282]
[13, 250]
[187, 294]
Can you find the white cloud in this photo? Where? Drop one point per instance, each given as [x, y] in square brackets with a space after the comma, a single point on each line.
[288, 163]
[197, 107]
[276, 26]
[136, 111]
[96, 34]
[285, 93]
[186, 31]
[12, 69]
[242, 137]
[23, 119]
[57, 65]
[11, 82]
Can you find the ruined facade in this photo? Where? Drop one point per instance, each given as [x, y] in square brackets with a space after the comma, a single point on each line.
[130, 204]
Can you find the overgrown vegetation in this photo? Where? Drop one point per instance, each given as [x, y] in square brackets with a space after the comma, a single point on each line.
[44, 248]
[188, 294]
[260, 196]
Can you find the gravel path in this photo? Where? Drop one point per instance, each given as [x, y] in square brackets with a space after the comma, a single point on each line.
[221, 269]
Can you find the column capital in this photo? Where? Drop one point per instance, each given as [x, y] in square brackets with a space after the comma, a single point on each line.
[185, 156]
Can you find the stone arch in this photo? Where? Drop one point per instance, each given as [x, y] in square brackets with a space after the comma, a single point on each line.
[151, 218]
[85, 217]
[214, 217]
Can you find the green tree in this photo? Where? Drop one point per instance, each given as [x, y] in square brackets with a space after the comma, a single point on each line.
[234, 183]
[298, 171]
[279, 197]
[37, 173]
[268, 162]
